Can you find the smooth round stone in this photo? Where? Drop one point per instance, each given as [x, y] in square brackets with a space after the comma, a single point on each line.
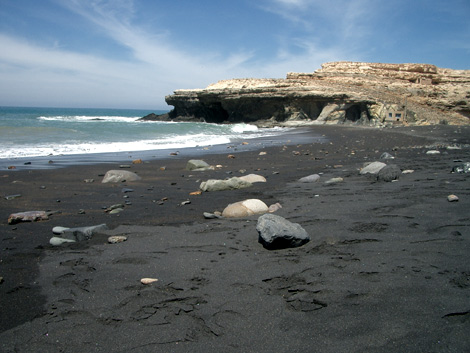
[56, 241]
[59, 229]
[452, 198]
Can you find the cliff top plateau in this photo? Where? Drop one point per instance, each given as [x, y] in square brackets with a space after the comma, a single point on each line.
[339, 93]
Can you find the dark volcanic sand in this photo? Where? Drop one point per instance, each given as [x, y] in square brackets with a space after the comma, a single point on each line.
[387, 268]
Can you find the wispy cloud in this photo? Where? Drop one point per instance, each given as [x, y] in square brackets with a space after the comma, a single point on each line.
[155, 66]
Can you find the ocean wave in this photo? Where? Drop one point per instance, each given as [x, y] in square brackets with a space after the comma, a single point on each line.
[176, 142]
[83, 118]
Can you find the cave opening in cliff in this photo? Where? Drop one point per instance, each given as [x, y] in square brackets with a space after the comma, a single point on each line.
[353, 113]
[216, 114]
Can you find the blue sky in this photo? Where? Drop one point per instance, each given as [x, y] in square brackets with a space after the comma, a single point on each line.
[131, 53]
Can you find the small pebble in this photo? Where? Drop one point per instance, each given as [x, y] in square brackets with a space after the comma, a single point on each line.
[148, 280]
[452, 198]
[117, 239]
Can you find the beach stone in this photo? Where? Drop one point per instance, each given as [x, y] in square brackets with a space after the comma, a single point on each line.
[197, 165]
[12, 197]
[116, 210]
[452, 198]
[461, 168]
[276, 232]
[245, 208]
[28, 216]
[116, 176]
[310, 179]
[334, 180]
[253, 178]
[228, 184]
[59, 230]
[117, 239]
[372, 168]
[408, 171]
[389, 173]
[433, 152]
[56, 241]
[274, 207]
[83, 233]
[148, 280]
[209, 215]
[386, 155]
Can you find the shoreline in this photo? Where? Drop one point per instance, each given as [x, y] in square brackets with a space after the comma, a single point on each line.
[300, 135]
[387, 267]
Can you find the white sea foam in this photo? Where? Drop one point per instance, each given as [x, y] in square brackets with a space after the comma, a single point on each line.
[176, 142]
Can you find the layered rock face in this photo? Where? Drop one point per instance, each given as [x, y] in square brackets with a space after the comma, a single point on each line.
[338, 93]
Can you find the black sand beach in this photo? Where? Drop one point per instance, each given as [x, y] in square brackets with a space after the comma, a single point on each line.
[387, 268]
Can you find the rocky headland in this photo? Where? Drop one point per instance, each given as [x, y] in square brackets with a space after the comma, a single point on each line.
[357, 93]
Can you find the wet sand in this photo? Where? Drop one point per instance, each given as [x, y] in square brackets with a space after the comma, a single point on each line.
[387, 267]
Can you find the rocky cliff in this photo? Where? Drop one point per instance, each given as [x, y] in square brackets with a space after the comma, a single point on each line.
[338, 93]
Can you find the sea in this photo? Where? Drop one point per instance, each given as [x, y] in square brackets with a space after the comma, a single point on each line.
[87, 134]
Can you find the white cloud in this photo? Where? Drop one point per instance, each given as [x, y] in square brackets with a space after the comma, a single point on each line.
[156, 68]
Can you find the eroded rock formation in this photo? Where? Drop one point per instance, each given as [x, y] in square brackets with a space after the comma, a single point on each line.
[338, 93]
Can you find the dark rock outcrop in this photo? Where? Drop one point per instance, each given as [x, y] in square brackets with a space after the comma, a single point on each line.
[338, 93]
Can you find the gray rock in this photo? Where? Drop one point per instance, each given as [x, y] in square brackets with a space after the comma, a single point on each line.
[389, 173]
[28, 216]
[386, 155]
[372, 168]
[310, 179]
[461, 168]
[334, 180]
[197, 165]
[276, 232]
[228, 184]
[116, 176]
[82, 233]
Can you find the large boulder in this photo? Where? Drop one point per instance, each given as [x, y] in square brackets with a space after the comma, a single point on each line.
[245, 208]
[116, 176]
[276, 232]
[228, 184]
[388, 173]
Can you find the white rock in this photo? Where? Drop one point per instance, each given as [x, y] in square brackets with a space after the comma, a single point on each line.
[148, 280]
[274, 207]
[56, 241]
[253, 178]
[372, 168]
[408, 171]
[59, 230]
[220, 185]
[452, 198]
[334, 180]
[433, 152]
[310, 179]
[245, 208]
[116, 239]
